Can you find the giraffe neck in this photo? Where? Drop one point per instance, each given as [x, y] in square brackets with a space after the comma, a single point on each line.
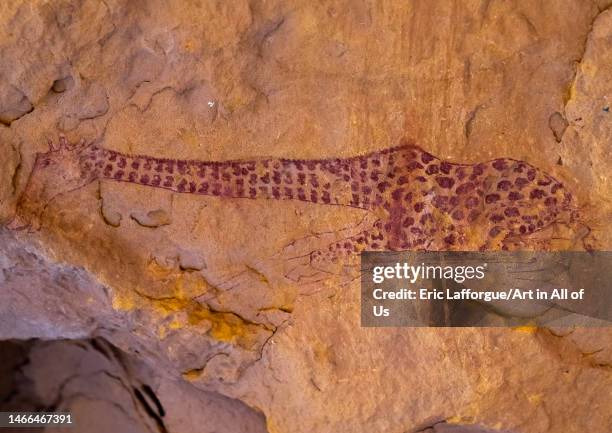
[356, 182]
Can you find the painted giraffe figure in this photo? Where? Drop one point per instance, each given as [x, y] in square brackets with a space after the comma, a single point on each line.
[421, 201]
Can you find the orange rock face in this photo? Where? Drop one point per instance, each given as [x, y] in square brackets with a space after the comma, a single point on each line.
[221, 301]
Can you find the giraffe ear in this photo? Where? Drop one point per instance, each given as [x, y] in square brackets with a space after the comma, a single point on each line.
[52, 147]
[63, 142]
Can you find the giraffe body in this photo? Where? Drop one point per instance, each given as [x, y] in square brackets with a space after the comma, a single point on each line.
[421, 201]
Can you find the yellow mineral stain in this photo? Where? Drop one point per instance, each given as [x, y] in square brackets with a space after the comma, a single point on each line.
[459, 419]
[182, 288]
[534, 398]
[528, 329]
[192, 375]
[175, 324]
[123, 302]
[225, 327]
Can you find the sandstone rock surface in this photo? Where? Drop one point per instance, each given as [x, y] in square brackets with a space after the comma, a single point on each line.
[193, 291]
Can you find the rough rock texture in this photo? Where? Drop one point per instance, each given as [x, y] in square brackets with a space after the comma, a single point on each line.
[196, 287]
[106, 391]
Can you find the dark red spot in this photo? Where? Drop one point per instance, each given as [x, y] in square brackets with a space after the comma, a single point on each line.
[276, 192]
[265, 178]
[531, 174]
[465, 188]
[445, 182]
[144, 179]
[326, 197]
[496, 218]
[432, 169]
[426, 158]
[556, 187]
[514, 196]
[402, 180]
[504, 185]
[397, 194]
[118, 175]
[203, 188]
[414, 165]
[383, 186]
[170, 166]
[156, 180]
[537, 193]
[288, 193]
[418, 207]
[421, 179]
[550, 201]
[544, 182]
[499, 164]
[511, 212]
[132, 176]
[446, 167]
[520, 182]
[450, 239]
[408, 221]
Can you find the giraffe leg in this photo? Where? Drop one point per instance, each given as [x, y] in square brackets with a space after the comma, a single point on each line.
[337, 257]
[347, 249]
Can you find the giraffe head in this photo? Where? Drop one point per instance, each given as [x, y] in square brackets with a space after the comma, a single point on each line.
[550, 220]
[59, 170]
